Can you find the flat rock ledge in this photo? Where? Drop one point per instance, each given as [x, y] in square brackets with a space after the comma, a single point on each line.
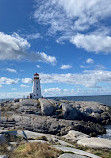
[67, 155]
[95, 143]
[75, 151]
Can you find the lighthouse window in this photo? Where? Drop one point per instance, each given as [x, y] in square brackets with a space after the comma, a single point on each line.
[37, 88]
[37, 82]
[37, 94]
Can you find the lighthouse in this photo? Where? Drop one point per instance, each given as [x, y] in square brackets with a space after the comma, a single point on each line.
[36, 90]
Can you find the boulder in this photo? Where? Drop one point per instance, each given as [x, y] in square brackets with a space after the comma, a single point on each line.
[75, 135]
[95, 143]
[69, 112]
[47, 108]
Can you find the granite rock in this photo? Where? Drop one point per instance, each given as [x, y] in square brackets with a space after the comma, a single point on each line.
[47, 107]
[67, 155]
[75, 135]
[95, 143]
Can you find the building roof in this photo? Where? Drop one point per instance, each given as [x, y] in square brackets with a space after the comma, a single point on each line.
[36, 74]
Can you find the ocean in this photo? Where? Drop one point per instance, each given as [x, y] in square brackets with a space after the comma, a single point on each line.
[104, 99]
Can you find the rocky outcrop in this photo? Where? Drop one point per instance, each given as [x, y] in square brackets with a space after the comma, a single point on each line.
[47, 107]
[47, 124]
[56, 117]
[68, 112]
[95, 143]
[74, 136]
[28, 102]
[93, 111]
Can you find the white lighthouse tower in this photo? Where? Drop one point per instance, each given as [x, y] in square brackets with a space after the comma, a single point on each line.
[36, 90]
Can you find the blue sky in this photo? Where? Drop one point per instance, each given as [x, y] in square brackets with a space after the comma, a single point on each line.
[68, 42]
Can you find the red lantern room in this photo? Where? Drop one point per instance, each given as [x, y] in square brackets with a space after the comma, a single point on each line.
[36, 76]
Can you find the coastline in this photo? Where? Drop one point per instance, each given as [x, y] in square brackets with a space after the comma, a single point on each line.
[75, 124]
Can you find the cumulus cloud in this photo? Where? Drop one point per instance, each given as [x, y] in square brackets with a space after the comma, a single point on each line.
[14, 47]
[23, 85]
[69, 17]
[27, 80]
[8, 81]
[65, 67]
[14, 94]
[93, 42]
[38, 66]
[71, 14]
[11, 70]
[89, 78]
[58, 92]
[90, 61]
[75, 92]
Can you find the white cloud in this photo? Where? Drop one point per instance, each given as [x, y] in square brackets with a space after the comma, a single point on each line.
[69, 17]
[90, 61]
[23, 85]
[27, 80]
[13, 94]
[0, 86]
[38, 66]
[58, 92]
[8, 81]
[99, 67]
[84, 67]
[65, 67]
[33, 36]
[11, 70]
[13, 47]
[93, 42]
[89, 78]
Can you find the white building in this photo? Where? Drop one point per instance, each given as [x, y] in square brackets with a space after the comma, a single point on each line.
[36, 90]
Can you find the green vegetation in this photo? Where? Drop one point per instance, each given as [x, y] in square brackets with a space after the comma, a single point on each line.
[35, 150]
[3, 149]
[42, 138]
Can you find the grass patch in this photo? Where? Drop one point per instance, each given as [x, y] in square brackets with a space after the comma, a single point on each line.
[42, 138]
[35, 150]
[3, 149]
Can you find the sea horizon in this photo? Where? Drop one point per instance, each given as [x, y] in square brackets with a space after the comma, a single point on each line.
[103, 99]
